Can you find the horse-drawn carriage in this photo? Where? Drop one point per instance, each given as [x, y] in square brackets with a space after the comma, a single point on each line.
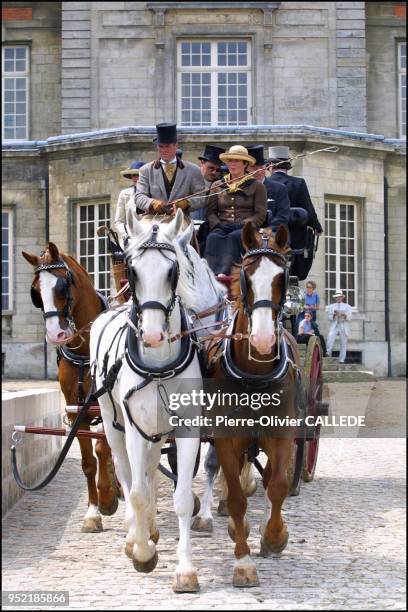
[137, 346]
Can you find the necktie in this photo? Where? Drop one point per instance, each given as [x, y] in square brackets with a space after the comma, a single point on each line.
[169, 169]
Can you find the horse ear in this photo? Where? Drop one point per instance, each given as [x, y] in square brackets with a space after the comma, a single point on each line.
[281, 237]
[133, 226]
[53, 250]
[186, 236]
[32, 259]
[249, 237]
[175, 226]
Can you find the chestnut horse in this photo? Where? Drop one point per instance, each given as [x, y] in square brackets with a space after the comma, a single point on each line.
[63, 289]
[266, 355]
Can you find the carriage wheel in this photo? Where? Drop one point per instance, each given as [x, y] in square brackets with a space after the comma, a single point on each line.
[312, 376]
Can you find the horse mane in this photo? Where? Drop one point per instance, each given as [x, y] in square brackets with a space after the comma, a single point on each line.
[185, 286]
[77, 266]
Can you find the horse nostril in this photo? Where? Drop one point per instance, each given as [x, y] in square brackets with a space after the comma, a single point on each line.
[61, 335]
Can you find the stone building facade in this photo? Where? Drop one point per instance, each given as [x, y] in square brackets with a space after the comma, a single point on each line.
[316, 74]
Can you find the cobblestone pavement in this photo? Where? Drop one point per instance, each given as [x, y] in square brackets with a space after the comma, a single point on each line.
[345, 551]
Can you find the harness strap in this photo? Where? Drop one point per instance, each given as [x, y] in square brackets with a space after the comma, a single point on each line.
[157, 437]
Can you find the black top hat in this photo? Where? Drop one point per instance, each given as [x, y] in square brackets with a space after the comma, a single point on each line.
[212, 154]
[257, 151]
[166, 133]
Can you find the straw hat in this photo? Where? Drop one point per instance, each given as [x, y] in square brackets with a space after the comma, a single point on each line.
[238, 152]
[339, 293]
[134, 169]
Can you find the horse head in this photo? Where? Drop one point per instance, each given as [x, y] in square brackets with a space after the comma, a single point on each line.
[262, 281]
[53, 290]
[158, 272]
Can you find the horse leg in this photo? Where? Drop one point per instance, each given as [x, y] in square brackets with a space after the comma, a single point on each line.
[275, 536]
[108, 501]
[92, 522]
[248, 481]
[185, 577]
[144, 551]
[204, 520]
[245, 574]
[222, 509]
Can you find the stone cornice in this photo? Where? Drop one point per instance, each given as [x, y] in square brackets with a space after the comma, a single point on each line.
[86, 141]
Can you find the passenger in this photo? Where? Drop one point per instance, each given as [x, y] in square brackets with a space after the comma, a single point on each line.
[300, 236]
[278, 198]
[126, 199]
[168, 178]
[210, 165]
[234, 199]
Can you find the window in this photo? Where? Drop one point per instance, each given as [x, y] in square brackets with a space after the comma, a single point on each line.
[15, 93]
[6, 260]
[402, 89]
[92, 250]
[214, 83]
[341, 250]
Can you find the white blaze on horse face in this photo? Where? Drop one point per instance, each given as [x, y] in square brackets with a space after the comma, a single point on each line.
[263, 327]
[153, 285]
[54, 332]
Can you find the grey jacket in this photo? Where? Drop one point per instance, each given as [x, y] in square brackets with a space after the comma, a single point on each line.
[151, 185]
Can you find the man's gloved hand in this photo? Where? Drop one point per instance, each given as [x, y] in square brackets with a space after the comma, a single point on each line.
[157, 207]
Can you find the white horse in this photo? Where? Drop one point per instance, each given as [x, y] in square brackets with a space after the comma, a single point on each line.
[135, 404]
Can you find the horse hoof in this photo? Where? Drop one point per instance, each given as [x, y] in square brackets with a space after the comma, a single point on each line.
[204, 525]
[251, 488]
[92, 525]
[145, 567]
[231, 529]
[222, 509]
[155, 536]
[197, 505]
[245, 577]
[273, 549]
[109, 510]
[186, 583]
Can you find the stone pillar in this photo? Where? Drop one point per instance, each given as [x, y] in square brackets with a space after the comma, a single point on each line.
[76, 67]
[351, 66]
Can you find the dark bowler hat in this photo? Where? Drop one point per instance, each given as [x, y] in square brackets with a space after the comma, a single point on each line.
[134, 169]
[166, 133]
[257, 151]
[212, 154]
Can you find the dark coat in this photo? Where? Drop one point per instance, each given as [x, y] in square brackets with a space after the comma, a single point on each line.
[299, 196]
[249, 202]
[278, 203]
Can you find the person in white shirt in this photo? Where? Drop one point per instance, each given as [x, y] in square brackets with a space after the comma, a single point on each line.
[126, 198]
[339, 314]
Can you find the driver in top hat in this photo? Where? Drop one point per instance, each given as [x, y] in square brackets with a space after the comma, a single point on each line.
[168, 178]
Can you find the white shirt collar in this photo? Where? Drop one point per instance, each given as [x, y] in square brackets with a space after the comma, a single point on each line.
[173, 161]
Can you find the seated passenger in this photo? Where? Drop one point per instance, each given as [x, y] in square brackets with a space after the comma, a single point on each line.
[235, 198]
[308, 328]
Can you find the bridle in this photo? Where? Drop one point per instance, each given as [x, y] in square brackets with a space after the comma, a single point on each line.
[277, 307]
[174, 274]
[62, 289]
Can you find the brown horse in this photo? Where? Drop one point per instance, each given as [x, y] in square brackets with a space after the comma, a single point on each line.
[265, 355]
[63, 290]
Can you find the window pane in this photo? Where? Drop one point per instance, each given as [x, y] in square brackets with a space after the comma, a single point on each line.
[9, 53]
[21, 53]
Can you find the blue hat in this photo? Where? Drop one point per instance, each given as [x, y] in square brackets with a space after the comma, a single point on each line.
[134, 169]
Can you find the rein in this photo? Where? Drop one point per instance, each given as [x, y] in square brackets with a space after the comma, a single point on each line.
[247, 175]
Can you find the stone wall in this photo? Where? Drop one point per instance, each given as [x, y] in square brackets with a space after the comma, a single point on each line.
[386, 25]
[40, 27]
[37, 455]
